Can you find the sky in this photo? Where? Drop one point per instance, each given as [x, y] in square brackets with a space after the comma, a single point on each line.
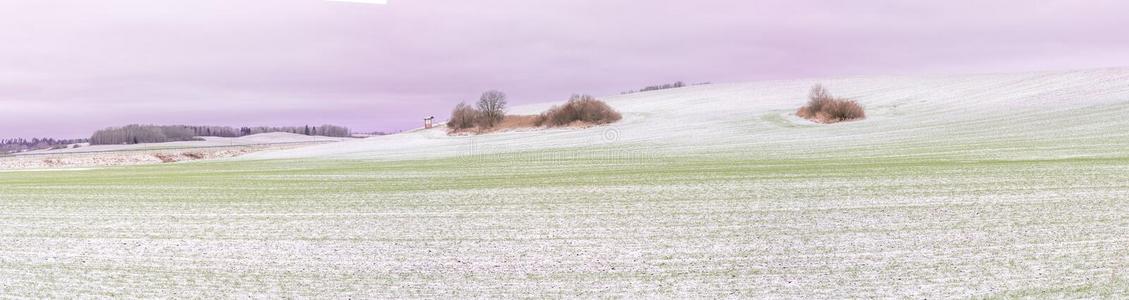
[68, 68]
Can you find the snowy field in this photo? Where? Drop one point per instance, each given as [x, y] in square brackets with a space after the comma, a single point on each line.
[975, 186]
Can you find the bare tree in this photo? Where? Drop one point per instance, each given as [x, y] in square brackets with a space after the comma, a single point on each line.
[818, 92]
[462, 117]
[491, 108]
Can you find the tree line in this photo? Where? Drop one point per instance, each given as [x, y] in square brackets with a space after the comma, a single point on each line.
[21, 144]
[139, 134]
[676, 84]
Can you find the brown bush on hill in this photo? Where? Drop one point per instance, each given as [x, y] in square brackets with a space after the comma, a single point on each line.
[463, 117]
[823, 108]
[579, 109]
[165, 158]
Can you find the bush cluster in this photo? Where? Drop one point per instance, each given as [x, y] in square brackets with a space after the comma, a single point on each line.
[824, 108]
[463, 117]
[489, 114]
[579, 108]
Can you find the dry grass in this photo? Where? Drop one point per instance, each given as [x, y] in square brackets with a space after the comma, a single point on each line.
[824, 108]
[510, 122]
[580, 110]
[516, 122]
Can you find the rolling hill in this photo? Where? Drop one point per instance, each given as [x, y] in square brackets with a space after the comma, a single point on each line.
[969, 186]
[994, 116]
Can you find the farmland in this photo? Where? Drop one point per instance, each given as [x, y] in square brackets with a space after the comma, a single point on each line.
[140, 154]
[1012, 185]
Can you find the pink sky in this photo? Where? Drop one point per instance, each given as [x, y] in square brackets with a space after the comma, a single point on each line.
[70, 67]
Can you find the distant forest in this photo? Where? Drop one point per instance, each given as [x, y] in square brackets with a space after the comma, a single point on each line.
[140, 134]
[674, 85]
[19, 145]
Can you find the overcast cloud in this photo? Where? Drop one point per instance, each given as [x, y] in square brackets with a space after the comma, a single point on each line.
[70, 67]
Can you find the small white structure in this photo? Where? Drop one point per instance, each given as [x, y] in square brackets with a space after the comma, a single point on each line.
[427, 123]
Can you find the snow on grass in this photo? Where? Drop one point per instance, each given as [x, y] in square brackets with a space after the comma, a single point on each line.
[1026, 115]
[673, 226]
[954, 187]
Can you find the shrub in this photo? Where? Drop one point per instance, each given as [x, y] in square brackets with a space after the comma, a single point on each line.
[464, 116]
[165, 158]
[824, 108]
[491, 108]
[579, 108]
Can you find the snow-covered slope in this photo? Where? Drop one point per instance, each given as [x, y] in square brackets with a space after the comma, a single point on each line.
[992, 116]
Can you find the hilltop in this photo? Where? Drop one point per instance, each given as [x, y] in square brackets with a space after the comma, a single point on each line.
[982, 116]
